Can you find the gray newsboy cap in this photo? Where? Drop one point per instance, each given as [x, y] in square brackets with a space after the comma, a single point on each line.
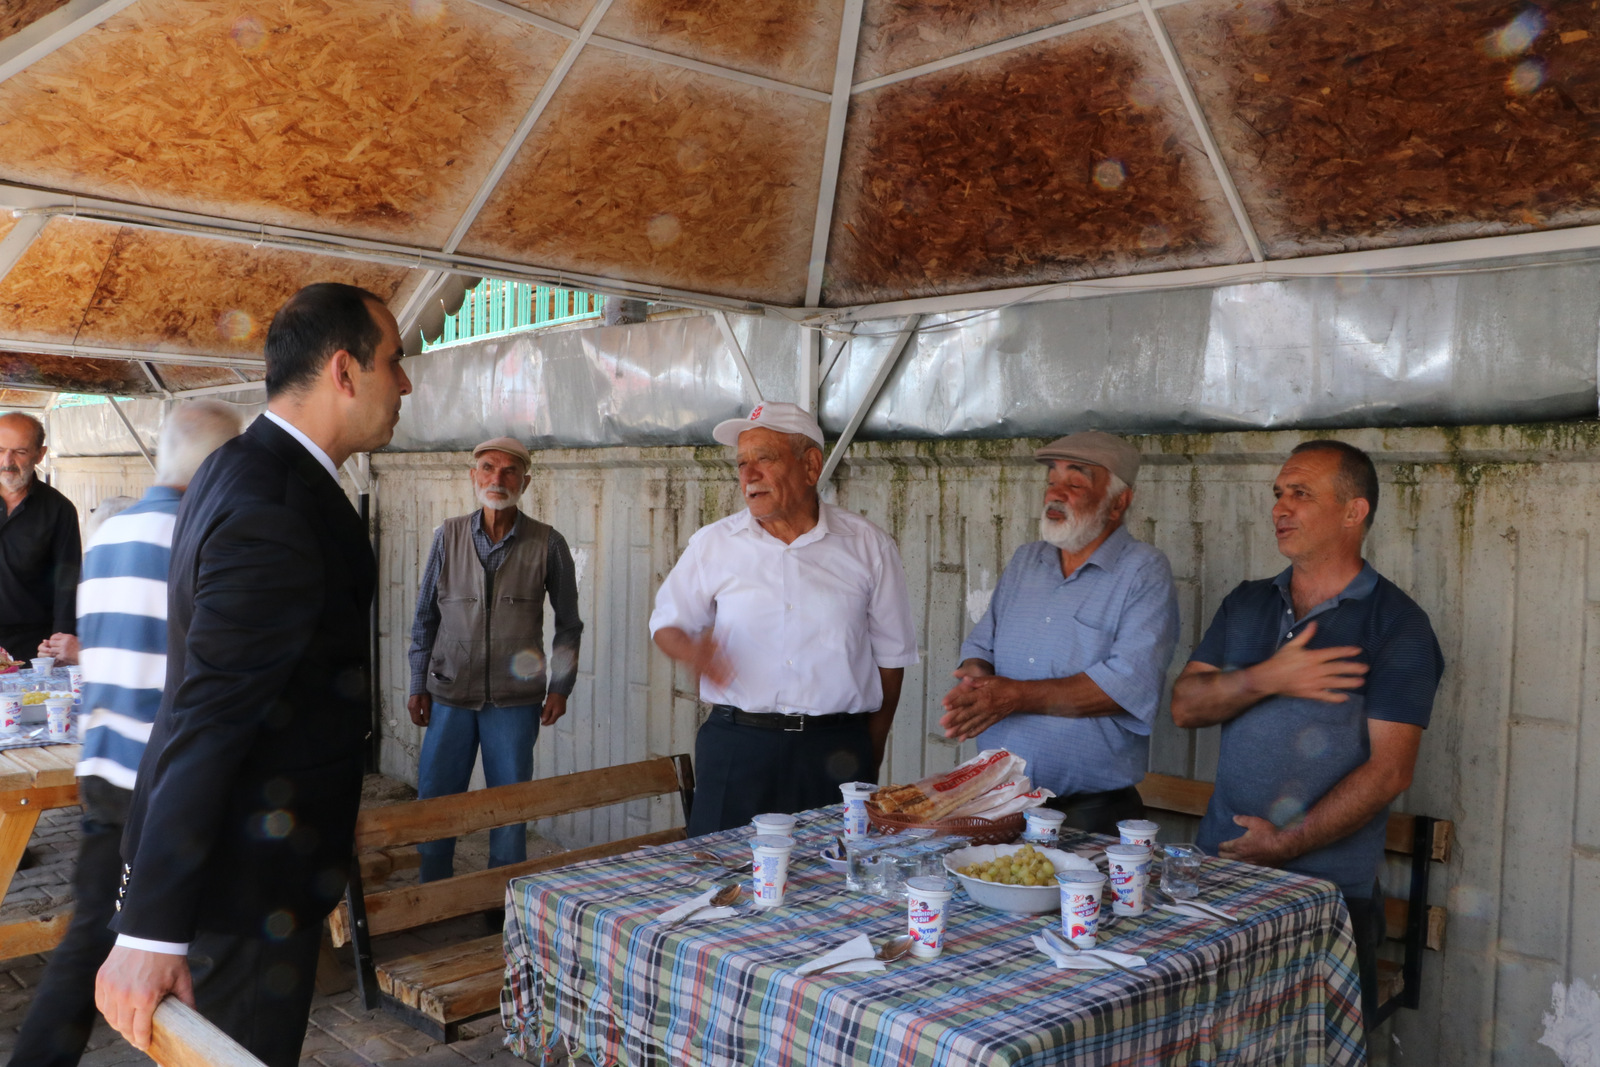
[1091, 446]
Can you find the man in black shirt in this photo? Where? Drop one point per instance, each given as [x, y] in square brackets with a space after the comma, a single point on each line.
[40, 554]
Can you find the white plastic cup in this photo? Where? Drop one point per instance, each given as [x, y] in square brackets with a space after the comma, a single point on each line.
[927, 901]
[75, 676]
[1128, 867]
[771, 868]
[10, 713]
[1043, 826]
[1138, 832]
[774, 825]
[43, 664]
[1080, 905]
[856, 823]
[57, 718]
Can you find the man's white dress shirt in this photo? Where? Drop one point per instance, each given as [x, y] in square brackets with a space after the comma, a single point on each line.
[805, 625]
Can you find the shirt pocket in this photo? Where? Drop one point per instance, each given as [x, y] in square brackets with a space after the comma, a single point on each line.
[1079, 647]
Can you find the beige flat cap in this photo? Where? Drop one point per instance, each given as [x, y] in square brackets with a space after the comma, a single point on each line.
[1091, 446]
[509, 445]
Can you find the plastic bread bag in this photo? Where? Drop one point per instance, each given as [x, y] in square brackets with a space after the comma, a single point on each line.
[936, 796]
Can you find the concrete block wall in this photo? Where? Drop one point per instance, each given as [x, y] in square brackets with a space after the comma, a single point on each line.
[1488, 528]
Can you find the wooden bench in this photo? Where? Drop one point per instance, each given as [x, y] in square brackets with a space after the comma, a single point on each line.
[436, 991]
[1412, 921]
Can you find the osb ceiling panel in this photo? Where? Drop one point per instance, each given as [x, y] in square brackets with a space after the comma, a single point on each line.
[12, 399]
[662, 175]
[177, 376]
[900, 34]
[18, 14]
[795, 42]
[73, 374]
[1066, 159]
[567, 12]
[1355, 123]
[364, 116]
[45, 295]
[173, 293]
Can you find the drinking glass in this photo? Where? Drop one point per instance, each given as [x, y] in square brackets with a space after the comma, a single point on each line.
[1180, 871]
[861, 871]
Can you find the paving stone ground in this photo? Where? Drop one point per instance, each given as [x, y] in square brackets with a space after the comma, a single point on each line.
[341, 1033]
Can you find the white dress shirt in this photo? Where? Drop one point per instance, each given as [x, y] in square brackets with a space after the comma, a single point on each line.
[178, 948]
[806, 625]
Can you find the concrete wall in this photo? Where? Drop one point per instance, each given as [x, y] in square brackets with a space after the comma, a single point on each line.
[1488, 528]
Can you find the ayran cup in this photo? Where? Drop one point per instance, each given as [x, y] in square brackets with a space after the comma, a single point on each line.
[771, 868]
[75, 677]
[42, 664]
[774, 825]
[58, 714]
[1080, 905]
[927, 900]
[1138, 832]
[1128, 867]
[856, 823]
[1043, 826]
[10, 712]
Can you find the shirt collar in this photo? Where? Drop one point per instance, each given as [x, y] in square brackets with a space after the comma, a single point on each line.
[477, 524]
[1365, 581]
[748, 524]
[1105, 557]
[163, 492]
[305, 442]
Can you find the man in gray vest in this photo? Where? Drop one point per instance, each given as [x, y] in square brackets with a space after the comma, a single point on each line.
[479, 677]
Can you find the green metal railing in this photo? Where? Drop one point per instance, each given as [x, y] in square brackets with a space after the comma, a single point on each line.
[494, 307]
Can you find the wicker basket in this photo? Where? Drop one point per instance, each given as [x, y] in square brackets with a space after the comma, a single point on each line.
[981, 831]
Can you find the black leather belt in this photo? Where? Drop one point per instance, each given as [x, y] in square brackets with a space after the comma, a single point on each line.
[787, 723]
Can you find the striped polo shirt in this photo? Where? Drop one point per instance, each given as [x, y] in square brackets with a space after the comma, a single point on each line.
[122, 626]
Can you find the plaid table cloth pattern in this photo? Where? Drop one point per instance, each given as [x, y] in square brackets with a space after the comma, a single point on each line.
[587, 965]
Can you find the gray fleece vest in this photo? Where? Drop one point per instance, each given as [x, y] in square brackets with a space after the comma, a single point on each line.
[490, 645]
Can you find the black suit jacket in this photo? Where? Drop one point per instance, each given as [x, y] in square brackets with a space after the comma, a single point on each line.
[245, 806]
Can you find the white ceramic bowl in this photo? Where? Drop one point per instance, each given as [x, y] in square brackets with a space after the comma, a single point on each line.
[837, 864]
[1021, 899]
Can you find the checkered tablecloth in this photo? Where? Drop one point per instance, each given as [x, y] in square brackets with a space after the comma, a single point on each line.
[586, 966]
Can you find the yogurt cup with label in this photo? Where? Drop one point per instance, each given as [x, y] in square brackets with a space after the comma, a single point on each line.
[1080, 905]
[1138, 832]
[10, 713]
[1128, 867]
[856, 824]
[1043, 826]
[58, 718]
[774, 825]
[75, 677]
[770, 877]
[927, 902]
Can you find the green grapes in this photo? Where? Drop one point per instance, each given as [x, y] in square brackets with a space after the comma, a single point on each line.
[1023, 867]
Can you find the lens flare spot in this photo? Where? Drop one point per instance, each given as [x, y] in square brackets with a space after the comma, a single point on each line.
[1155, 238]
[1350, 284]
[527, 664]
[1516, 36]
[1526, 78]
[662, 231]
[248, 33]
[427, 10]
[279, 925]
[235, 325]
[277, 824]
[1285, 810]
[1109, 174]
[1312, 742]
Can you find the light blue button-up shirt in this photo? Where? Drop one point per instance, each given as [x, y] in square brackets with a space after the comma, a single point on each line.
[1115, 619]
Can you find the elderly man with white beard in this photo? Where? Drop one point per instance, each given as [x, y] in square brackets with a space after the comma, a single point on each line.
[40, 553]
[479, 677]
[1067, 666]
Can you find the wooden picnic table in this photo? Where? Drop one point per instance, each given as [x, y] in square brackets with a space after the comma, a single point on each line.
[32, 781]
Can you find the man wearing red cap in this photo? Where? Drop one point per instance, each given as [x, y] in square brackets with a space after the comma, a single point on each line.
[479, 679]
[794, 614]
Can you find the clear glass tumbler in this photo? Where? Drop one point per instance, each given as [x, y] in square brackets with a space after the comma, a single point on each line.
[860, 870]
[895, 865]
[1180, 871]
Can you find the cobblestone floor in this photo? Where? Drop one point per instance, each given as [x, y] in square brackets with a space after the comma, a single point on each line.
[341, 1032]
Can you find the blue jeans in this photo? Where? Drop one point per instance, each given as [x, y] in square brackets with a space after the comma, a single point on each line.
[454, 736]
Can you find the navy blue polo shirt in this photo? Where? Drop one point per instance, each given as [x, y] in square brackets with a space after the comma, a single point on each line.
[1284, 754]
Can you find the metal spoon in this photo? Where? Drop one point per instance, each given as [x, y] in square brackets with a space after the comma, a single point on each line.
[711, 857]
[1063, 944]
[893, 949]
[1201, 905]
[728, 894]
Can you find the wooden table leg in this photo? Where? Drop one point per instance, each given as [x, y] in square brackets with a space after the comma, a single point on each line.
[16, 828]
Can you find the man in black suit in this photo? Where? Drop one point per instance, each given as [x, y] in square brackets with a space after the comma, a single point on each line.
[239, 836]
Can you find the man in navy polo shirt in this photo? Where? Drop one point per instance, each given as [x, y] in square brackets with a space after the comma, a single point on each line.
[1323, 680]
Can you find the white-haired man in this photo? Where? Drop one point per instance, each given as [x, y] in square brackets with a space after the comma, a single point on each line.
[794, 614]
[122, 627]
[479, 679]
[1066, 668]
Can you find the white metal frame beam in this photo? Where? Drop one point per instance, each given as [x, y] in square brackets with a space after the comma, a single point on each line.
[737, 352]
[890, 361]
[844, 67]
[65, 24]
[212, 390]
[1191, 103]
[54, 348]
[116, 405]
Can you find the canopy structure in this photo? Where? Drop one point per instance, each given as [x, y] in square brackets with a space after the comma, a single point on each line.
[176, 168]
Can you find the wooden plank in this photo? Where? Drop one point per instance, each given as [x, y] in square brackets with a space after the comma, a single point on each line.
[35, 935]
[1185, 796]
[1395, 913]
[408, 906]
[465, 998]
[40, 799]
[49, 766]
[182, 1037]
[376, 866]
[16, 827]
[408, 979]
[1391, 981]
[483, 809]
[14, 775]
